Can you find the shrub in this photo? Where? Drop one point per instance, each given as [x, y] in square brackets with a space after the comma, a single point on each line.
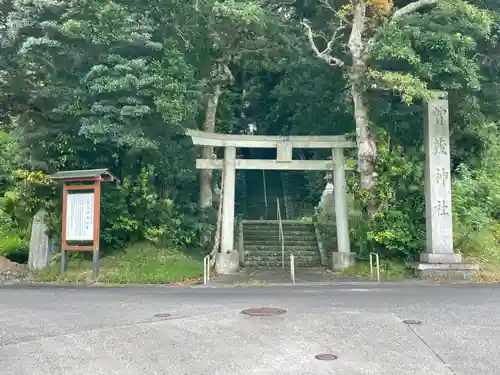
[135, 211]
[14, 247]
[397, 229]
[476, 205]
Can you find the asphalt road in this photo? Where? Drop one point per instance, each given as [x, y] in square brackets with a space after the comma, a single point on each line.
[75, 330]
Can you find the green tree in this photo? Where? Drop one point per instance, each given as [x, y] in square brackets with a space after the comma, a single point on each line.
[398, 49]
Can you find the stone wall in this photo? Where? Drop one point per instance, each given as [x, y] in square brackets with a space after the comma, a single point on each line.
[11, 272]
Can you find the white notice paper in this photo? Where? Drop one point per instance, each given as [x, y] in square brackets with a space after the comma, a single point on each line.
[80, 217]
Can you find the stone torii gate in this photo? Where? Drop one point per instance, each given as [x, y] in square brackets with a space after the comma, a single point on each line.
[227, 260]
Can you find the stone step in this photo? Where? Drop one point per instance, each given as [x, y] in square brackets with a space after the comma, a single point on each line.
[290, 240]
[277, 231]
[277, 251]
[277, 263]
[288, 248]
[299, 228]
[275, 223]
[299, 262]
[276, 227]
[277, 254]
[284, 223]
[288, 223]
[261, 263]
[287, 239]
[276, 242]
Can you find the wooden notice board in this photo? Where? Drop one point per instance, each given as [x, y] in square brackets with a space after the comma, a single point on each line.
[81, 210]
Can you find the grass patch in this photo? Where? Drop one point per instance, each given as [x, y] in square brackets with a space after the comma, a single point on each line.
[388, 270]
[137, 264]
[482, 247]
[489, 269]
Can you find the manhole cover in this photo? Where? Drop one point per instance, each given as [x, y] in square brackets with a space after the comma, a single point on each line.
[326, 357]
[264, 311]
[411, 321]
[162, 315]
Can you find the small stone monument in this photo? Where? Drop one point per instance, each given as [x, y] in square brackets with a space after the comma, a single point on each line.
[325, 223]
[327, 202]
[39, 255]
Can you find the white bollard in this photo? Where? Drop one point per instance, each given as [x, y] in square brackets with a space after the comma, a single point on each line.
[206, 270]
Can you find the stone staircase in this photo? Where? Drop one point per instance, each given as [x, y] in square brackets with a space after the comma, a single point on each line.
[262, 246]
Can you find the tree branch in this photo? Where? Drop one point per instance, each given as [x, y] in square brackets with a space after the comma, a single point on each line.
[412, 8]
[325, 55]
[327, 5]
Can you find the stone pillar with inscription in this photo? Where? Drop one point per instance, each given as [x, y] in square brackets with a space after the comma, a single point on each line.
[439, 258]
[439, 227]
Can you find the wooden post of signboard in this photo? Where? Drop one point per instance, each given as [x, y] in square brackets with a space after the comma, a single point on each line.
[81, 209]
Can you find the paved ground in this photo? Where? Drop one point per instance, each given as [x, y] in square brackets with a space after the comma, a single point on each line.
[71, 330]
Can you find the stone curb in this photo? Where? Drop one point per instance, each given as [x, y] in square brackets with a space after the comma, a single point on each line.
[215, 285]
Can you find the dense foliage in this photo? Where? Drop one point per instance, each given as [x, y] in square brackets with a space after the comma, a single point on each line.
[114, 83]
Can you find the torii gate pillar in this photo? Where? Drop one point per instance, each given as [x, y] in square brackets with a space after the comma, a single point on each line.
[227, 260]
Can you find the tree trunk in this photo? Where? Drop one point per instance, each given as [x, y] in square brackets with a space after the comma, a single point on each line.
[218, 228]
[367, 148]
[209, 126]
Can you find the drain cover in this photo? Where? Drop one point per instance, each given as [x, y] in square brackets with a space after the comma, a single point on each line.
[162, 315]
[264, 311]
[411, 321]
[326, 357]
